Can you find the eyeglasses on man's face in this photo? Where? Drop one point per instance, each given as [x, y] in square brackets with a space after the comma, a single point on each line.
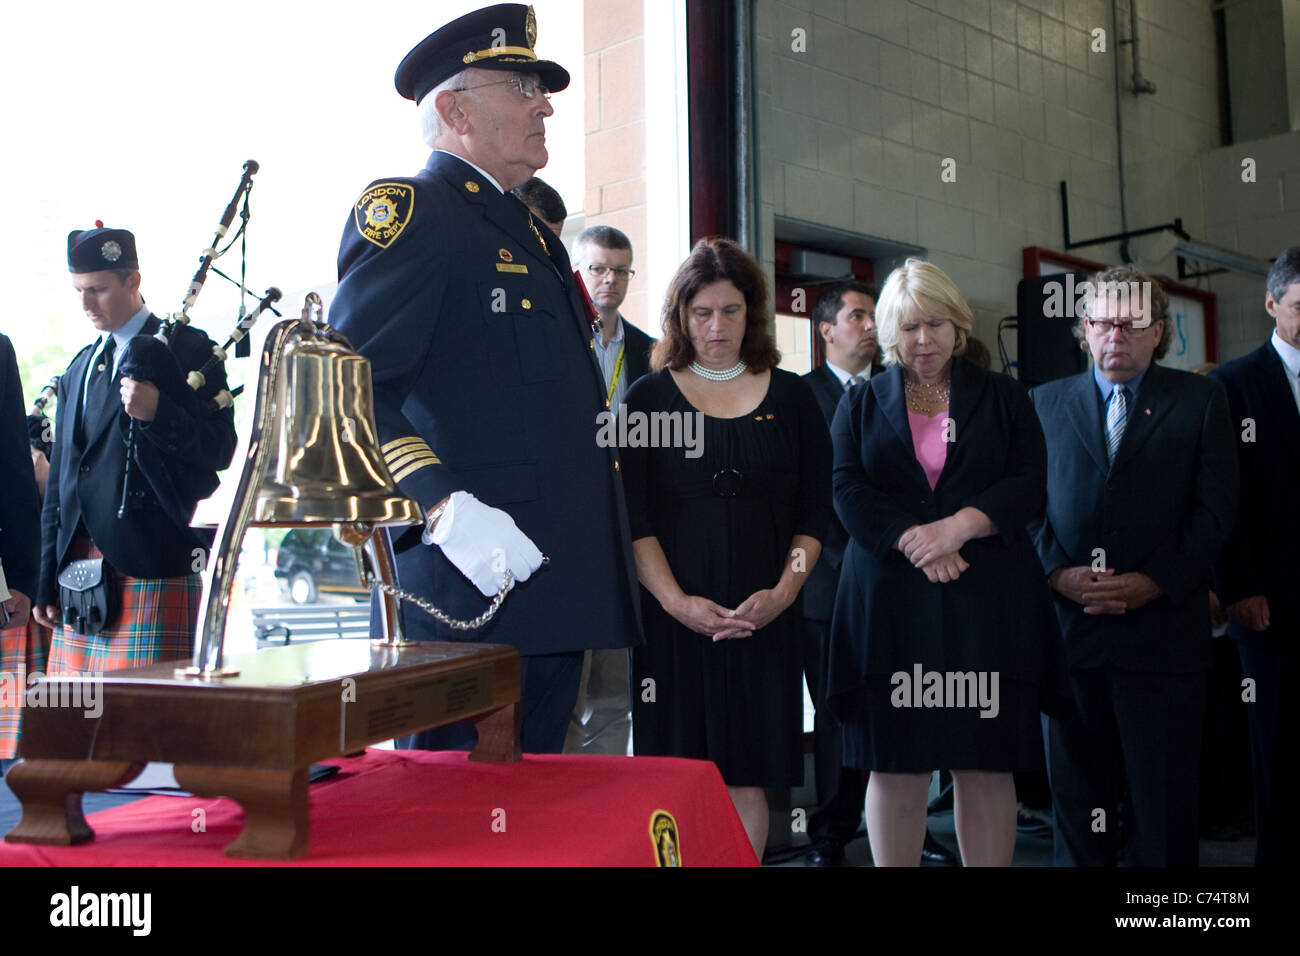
[528, 86]
[620, 272]
[1103, 327]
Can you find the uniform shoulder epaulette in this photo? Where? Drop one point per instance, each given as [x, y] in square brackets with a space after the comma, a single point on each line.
[384, 210]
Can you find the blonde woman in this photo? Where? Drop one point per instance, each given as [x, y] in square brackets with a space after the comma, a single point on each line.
[943, 644]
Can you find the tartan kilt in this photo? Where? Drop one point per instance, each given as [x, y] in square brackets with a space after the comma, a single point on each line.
[156, 623]
[22, 653]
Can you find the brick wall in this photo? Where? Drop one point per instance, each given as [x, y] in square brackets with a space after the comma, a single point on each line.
[614, 61]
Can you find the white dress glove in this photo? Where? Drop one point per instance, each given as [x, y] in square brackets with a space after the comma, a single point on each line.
[483, 543]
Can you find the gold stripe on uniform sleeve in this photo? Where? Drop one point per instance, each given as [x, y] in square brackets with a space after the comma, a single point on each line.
[415, 465]
[398, 444]
[397, 462]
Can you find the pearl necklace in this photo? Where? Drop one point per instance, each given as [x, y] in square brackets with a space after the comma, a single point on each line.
[712, 376]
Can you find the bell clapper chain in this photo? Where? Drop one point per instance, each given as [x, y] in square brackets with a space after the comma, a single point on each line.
[432, 611]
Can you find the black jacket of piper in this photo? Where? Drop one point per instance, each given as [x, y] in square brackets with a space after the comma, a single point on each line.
[179, 455]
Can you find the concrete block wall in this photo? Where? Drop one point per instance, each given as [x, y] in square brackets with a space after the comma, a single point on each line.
[1259, 218]
[853, 130]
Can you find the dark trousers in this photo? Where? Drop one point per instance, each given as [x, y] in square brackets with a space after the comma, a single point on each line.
[1268, 659]
[550, 689]
[1139, 728]
[841, 790]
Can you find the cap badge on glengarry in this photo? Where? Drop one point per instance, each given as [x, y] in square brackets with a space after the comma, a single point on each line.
[111, 251]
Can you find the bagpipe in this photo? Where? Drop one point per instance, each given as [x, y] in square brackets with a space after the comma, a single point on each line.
[198, 392]
[40, 433]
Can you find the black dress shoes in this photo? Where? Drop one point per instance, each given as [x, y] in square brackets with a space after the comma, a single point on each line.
[936, 854]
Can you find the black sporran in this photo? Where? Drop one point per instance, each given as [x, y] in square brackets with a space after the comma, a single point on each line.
[90, 595]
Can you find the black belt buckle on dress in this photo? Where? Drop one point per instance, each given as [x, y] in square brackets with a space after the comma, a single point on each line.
[727, 482]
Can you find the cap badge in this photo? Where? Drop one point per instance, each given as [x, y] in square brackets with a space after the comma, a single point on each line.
[111, 251]
[530, 28]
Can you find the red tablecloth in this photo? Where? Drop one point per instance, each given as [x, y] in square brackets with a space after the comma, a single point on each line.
[416, 808]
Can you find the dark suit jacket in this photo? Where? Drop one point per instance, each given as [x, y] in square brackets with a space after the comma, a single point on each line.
[888, 616]
[85, 483]
[481, 353]
[1262, 555]
[1164, 508]
[819, 591]
[20, 505]
[638, 346]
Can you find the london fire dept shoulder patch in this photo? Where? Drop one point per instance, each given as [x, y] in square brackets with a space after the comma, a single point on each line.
[383, 211]
[663, 834]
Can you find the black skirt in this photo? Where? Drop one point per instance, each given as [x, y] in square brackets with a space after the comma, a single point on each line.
[892, 727]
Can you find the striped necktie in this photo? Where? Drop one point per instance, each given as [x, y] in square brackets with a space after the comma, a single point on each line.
[1116, 419]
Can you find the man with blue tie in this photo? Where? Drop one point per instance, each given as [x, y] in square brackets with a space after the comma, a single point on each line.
[1141, 494]
[1258, 571]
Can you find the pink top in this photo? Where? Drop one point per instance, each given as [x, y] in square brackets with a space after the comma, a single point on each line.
[927, 441]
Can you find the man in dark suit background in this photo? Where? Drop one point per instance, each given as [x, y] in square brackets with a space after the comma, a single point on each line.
[20, 506]
[603, 258]
[844, 317]
[1258, 573]
[1141, 494]
[602, 716]
[485, 385]
[543, 202]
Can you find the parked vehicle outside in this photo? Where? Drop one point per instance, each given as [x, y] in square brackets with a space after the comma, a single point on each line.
[311, 562]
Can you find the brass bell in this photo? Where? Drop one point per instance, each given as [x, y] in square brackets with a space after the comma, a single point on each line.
[313, 459]
[325, 464]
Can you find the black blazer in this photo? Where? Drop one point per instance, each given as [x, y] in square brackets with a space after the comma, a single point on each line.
[1164, 508]
[638, 346]
[819, 591]
[1262, 555]
[176, 451]
[888, 616]
[20, 505]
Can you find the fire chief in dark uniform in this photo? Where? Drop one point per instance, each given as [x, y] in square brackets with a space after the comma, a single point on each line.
[486, 390]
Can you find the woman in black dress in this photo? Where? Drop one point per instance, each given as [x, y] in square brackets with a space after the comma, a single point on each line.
[726, 524]
[943, 644]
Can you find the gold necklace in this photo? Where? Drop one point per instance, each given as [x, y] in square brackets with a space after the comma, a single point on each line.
[927, 400]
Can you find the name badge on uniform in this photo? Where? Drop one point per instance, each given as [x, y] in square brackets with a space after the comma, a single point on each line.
[518, 267]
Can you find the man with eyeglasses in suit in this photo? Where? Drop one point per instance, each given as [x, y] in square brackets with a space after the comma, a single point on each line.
[1141, 494]
[602, 719]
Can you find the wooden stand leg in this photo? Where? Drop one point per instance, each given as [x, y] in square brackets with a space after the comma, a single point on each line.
[274, 802]
[498, 735]
[50, 792]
